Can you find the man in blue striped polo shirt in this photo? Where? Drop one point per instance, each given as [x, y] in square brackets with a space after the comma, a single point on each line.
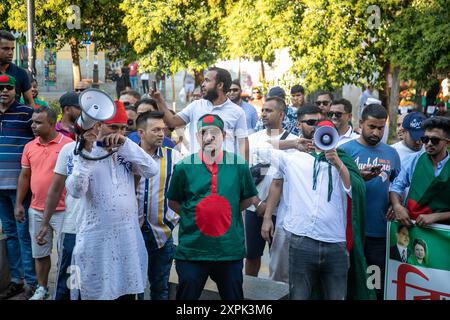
[15, 132]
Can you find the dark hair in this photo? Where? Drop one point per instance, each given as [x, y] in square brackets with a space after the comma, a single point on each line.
[347, 104]
[52, 116]
[297, 89]
[141, 120]
[321, 93]
[400, 227]
[376, 111]
[33, 80]
[6, 35]
[132, 93]
[281, 105]
[149, 101]
[420, 242]
[438, 122]
[237, 83]
[307, 109]
[223, 76]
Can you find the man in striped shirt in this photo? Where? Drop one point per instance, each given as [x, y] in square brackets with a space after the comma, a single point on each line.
[159, 219]
[15, 132]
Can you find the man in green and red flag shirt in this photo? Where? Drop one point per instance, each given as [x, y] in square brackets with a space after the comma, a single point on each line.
[428, 176]
[209, 189]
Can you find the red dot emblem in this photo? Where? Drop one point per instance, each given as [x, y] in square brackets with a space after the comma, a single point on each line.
[208, 119]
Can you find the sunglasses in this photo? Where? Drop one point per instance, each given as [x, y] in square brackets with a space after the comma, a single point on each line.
[337, 114]
[310, 122]
[434, 140]
[325, 103]
[8, 87]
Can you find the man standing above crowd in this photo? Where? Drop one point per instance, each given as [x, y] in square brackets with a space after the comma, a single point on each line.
[379, 164]
[23, 82]
[214, 88]
[109, 218]
[341, 114]
[158, 219]
[15, 132]
[250, 112]
[209, 190]
[412, 132]
[428, 176]
[70, 110]
[38, 161]
[272, 116]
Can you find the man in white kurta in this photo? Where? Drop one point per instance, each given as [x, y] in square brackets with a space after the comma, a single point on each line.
[109, 259]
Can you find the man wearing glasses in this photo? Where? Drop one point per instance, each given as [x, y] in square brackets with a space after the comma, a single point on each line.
[428, 176]
[251, 115]
[341, 114]
[323, 101]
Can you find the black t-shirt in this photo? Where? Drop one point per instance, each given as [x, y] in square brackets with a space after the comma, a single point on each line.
[23, 82]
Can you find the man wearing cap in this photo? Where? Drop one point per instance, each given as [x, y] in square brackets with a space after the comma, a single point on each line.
[209, 190]
[412, 132]
[109, 258]
[323, 218]
[71, 110]
[23, 82]
[427, 174]
[379, 164]
[15, 132]
[290, 117]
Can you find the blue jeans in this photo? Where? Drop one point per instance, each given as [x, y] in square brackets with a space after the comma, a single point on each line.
[18, 242]
[159, 265]
[134, 83]
[375, 252]
[315, 263]
[192, 276]
[67, 242]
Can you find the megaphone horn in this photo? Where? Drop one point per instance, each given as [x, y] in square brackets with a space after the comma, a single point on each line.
[96, 105]
[326, 136]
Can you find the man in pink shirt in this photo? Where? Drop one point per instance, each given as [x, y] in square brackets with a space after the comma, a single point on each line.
[38, 161]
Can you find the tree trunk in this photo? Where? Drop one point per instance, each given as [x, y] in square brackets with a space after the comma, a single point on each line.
[263, 72]
[199, 77]
[394, 97]
[174, 93]
[418, 98]
[384, 93]
[75, 61]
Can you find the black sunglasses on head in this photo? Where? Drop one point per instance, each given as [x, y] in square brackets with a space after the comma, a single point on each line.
[337, 114]
[434, 140]
[8, 87]
[310, 122]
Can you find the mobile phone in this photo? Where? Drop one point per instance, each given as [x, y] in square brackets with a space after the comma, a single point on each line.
[154, 85]
[376, 168]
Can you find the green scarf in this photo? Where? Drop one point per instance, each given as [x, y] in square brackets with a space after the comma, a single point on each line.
[428, 193]
[317, 158]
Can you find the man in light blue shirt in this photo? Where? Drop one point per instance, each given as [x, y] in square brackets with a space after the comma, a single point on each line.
[251, 115]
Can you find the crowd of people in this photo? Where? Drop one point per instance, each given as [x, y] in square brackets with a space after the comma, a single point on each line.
[232, 176]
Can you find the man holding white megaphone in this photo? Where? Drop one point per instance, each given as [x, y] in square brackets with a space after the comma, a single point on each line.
[109, 255]
[326, 195]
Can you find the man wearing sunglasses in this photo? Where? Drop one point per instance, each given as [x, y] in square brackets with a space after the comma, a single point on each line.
[427, 174]
[15, 132]
[341, 114]
[323, 101]
[251, 115]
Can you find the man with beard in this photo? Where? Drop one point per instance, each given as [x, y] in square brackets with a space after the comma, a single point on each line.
[250, 112]
[214, 89]
[23, 83]
[427, 175]
[341, 114]
[379, 164]
[412, 132]
[70, 108]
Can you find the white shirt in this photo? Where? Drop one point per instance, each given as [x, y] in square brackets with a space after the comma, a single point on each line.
[64, 166]
[403, 151]
[259, 140]
[346, 137]
[109, 250]
[308, 211]
[232, 115]
[403, 251]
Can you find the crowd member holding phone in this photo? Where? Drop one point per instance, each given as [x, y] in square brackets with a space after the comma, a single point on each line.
[379, 164]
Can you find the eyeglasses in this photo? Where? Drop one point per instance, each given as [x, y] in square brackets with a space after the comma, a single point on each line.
[8, 87]
[310, 122]
[434, 140]
[337, 114]
[324, 102]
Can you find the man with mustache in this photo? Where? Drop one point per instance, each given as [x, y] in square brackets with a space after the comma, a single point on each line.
[379, 164]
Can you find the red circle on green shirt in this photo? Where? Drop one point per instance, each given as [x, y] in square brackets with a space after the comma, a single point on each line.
[213, 215]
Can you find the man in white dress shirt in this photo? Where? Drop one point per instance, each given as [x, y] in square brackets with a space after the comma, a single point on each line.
[341, 114]
[109, 258]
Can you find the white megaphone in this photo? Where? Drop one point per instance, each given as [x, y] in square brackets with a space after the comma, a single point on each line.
[326, 136]
[96, 105]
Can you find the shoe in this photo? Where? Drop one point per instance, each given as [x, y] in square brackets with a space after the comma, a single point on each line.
[11, 290]
[41, 293]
